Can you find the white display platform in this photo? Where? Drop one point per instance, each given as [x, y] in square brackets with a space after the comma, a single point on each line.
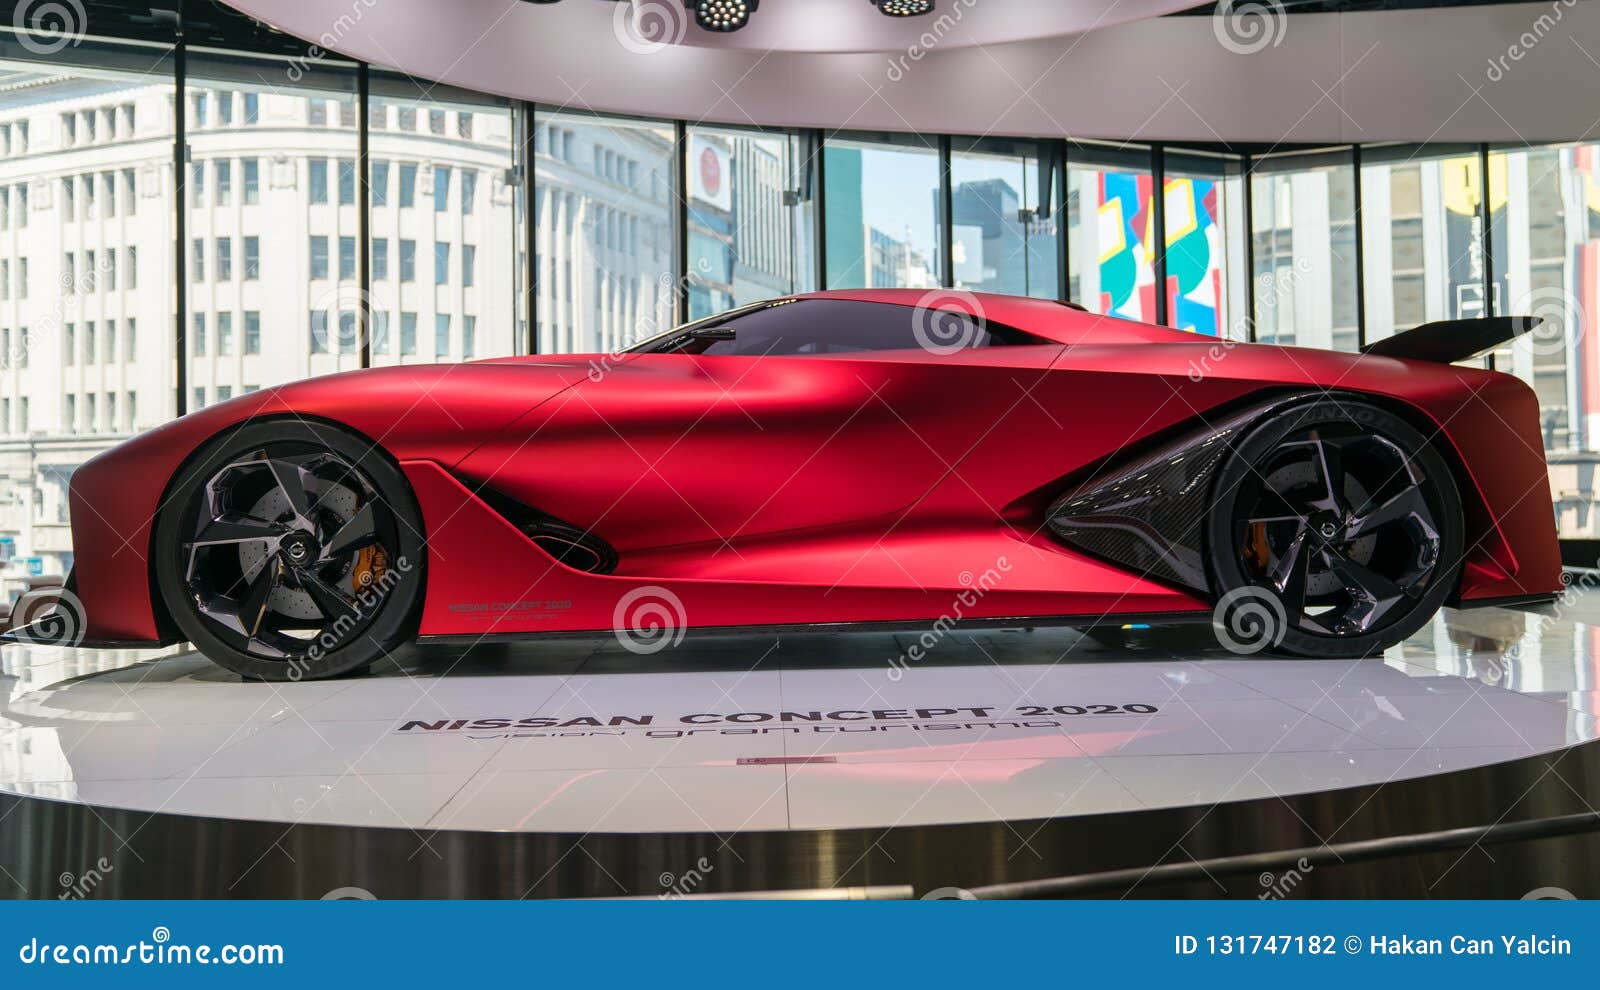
[727, 735]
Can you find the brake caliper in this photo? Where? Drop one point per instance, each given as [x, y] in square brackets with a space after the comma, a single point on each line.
[371, 564]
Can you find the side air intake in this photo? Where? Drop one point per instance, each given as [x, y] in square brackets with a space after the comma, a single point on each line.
[1148, 513]
[573, 546]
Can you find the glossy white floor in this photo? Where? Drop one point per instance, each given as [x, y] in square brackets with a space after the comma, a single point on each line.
[724, 735]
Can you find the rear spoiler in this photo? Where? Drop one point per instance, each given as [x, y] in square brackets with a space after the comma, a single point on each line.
[1452, 340]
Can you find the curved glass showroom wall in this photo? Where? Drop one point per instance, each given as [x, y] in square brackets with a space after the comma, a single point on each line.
[335, 216]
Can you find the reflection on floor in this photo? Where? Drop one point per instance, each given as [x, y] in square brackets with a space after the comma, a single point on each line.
[801, 732]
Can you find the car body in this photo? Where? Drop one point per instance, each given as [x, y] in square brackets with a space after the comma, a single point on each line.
[902, 486]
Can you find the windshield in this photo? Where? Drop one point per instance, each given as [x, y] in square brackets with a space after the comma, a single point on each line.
[796, 327]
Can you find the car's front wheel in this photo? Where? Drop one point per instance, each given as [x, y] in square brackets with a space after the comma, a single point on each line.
[291, 550]
[1336, 530]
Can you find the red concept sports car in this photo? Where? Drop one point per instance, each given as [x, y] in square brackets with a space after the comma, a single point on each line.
[888, 458]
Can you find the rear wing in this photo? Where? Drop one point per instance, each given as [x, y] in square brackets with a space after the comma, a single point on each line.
[1452, 340]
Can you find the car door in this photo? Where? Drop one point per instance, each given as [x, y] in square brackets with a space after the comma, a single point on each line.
[732, 441]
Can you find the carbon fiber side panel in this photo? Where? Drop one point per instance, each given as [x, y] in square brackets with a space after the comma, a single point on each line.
[1148, 514]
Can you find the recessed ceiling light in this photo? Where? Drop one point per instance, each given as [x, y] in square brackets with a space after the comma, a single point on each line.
[903, 8]
[722, 15]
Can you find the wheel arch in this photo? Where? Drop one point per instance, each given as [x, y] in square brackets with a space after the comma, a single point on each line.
[1172, 548]
[1481, 536]
[167, 626]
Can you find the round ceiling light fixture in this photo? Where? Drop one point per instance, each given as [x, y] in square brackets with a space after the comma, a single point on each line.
[722, 15]
[903, 8]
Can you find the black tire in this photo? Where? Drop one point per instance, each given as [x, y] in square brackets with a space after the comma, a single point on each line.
[1377, 547]
[291, 550]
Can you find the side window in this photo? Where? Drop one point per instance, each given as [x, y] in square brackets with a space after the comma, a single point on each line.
[840, 326]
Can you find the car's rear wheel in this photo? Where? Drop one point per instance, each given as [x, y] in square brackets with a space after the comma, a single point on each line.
[1336, 530]
[291, 550]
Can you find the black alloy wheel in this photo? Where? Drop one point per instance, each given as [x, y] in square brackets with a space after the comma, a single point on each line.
[1336, 531]
[290, 550]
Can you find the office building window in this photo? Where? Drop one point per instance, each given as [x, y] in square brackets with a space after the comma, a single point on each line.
[319, 256]
[317, 172]
[441, 335]
[441, 188]
[408, 260]
[408, 184]
[408, 333]
[347, 182]
[319, 331]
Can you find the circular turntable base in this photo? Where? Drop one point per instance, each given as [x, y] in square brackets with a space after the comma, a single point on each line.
[733, 735]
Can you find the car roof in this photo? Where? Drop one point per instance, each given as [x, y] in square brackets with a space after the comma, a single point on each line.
[1049, 318]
